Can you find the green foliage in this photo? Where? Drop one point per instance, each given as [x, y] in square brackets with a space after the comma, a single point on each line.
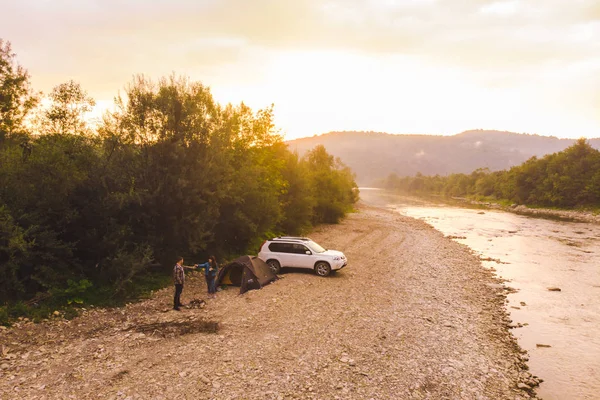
[4, 316]
[297, 197]
[17, 98]
[98, 218]
[333, 186]
[13, 246]
[73, 293]
[67, 111]
[567, 179]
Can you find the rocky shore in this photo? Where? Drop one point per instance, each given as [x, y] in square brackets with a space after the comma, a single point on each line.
[568, 215]
[413, 316]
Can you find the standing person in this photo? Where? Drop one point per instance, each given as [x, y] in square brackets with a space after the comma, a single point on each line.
[178, 279]
[211, 268]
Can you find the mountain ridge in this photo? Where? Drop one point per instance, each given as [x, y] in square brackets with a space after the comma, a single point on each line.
[375, 155]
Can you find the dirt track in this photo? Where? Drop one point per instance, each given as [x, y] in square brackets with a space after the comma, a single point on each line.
[414, 315]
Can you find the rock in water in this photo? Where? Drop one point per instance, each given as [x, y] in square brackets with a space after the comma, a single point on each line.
[523, 386]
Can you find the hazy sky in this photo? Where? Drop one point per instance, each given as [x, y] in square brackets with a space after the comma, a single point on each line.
[398, 66]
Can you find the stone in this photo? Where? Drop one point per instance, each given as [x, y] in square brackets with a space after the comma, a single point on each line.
[554, 289]
[523, 386]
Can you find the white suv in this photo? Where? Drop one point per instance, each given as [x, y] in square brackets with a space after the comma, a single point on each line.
[300, 252]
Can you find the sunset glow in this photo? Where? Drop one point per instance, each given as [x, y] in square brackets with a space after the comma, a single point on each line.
[398, 66]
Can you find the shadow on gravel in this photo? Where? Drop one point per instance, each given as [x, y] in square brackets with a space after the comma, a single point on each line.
[305, 271]
[176, 328]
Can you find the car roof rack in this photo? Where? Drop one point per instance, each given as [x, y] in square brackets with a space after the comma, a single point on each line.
[304, 239]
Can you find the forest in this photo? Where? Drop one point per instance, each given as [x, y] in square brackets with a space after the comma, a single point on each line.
[97, 213]
[568, 179]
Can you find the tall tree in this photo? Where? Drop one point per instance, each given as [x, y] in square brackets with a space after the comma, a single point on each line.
[333, 186]
[17, 98]
[66, 114]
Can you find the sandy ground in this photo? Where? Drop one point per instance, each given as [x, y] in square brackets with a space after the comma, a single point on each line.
[413, 316]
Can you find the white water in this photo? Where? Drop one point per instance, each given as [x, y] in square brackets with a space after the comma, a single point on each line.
[536, 254]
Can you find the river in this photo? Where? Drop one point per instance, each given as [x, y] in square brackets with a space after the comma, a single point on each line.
[533, 255]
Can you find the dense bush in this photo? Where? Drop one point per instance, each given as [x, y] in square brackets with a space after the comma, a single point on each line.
[89, 211]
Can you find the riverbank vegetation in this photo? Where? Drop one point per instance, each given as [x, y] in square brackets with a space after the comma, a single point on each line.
[99, 213]
[568, 179]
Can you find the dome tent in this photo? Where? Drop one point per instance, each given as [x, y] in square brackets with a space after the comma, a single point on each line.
[247, 272]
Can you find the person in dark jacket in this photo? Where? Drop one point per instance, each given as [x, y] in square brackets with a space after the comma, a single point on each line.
[211, 268]
[178, 280]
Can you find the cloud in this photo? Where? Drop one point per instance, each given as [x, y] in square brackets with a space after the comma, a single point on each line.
[366, 26]
[501, 8]
[500, 41]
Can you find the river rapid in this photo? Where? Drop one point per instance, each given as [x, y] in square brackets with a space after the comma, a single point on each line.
[561, 331]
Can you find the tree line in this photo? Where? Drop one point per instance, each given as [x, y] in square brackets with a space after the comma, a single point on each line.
[566, 179]
[98, 209]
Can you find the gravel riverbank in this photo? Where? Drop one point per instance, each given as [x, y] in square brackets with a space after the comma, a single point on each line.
[413, 316]
[568, 215]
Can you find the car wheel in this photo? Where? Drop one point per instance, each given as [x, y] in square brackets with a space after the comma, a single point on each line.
[275, 266]
[322, 268]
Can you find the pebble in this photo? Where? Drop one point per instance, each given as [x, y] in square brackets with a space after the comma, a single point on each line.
[204, 380]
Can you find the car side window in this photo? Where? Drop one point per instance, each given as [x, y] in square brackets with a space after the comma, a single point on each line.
[288, 247]
[300, 249]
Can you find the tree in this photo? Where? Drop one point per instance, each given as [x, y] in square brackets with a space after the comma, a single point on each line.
[169, 172]
[333, 186]
[16, 96]
[13, 245]
[66, 114]
[296, 200]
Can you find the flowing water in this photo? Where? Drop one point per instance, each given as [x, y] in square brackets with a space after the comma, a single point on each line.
[534, 255]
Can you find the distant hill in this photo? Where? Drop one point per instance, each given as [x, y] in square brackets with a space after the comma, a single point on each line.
[374, 155]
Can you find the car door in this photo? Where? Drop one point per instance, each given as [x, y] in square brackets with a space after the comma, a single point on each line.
[303, 256]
